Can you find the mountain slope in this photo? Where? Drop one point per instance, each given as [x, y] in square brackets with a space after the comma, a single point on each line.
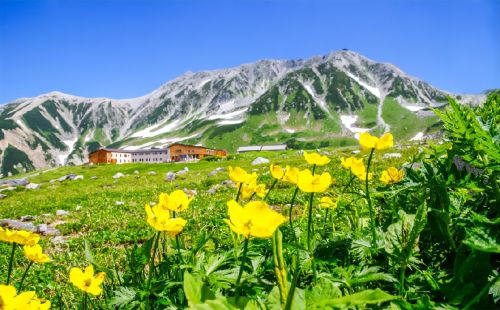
[319, 101]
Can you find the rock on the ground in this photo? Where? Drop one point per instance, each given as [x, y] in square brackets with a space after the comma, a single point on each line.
[10, 188]
[213, 189]
[78, 177]
[152, 172]
[136, 171]
[392, 155]
[119, 203]
[215, 171]
[13, 224]
[94, 177]
[14, 182]
[190, 192]
[52, 181]
[355, 152]
[58, 240]
[2, 196]
[62, 212]
[118, 175]
[26, 218]
[78, 208]
[228, 183]
[170, 176]
[260, 161]
[181, 172]
[32, 186]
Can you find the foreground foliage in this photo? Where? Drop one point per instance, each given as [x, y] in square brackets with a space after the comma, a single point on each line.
[326, 233]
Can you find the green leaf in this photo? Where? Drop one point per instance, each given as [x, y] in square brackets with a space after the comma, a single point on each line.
[482, 239]
[196, 290]
[365, 297]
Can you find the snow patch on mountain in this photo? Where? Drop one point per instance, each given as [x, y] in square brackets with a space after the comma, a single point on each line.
[374, 90]
[156, 130]
[64, 157]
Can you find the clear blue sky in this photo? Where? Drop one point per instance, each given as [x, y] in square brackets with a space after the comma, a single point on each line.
[127, 48]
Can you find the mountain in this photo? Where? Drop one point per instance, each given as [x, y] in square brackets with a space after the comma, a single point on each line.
[320, 101]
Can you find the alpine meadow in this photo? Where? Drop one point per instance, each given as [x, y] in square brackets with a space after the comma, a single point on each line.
[257, 179]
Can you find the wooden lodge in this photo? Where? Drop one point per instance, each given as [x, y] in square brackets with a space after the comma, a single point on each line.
[173, 153]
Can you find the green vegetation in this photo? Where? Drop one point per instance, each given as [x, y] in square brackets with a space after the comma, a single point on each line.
[52, 109]
[14, 158]
[427, 237]
[403, 122]
[36, 121]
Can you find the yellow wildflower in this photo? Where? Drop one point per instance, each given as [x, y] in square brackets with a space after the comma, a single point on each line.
[369, 142]
[10, 300]
[159, 219]
[239, 175]
[347, 163]
[255, 219]
[85, 280]
[327, 202]
[34, 253]
[247, 190]
[392, 175]
[277, 172]
[316, 159]
[176, 201]
[308, 182]
[291, 175]
[21, 237]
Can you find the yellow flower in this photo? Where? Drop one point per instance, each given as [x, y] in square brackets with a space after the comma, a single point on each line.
[239, 175]
[85, 280]
[176, 201]
[362, 176]
[327, 202]
[39, 304]
[159, 219]
[34, 254]
[277, 172]
[247, 190]
[369, 142]
[392, 175]
[291, 175]
[255, 219]
[347, 163]
[21, 237]
[309, 183]
[316, 159]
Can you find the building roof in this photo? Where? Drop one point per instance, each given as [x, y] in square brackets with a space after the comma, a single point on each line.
[197, 146]
[274, 147]
[271, 147]
[249, 148]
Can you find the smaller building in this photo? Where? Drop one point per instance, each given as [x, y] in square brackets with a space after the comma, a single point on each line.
[150, 156]
[258, 148]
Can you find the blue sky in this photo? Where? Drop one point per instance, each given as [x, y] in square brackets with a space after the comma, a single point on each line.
[127, 48]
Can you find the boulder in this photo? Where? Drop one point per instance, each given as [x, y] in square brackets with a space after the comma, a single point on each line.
[62, 212]
[118, 175]
[27, 218]
[14, 182]
[136, 171]
[13, 224]
[78, 177]
[215, 171]
[10, 188]
[152, 172]
[392, 155]
[260, 161]
[32, 186]
[170, 176]
[58, 240]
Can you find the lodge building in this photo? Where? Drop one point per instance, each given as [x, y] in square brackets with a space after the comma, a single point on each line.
[173, 153]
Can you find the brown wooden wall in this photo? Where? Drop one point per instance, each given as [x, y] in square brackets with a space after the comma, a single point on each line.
[181, 152]
[101, 157]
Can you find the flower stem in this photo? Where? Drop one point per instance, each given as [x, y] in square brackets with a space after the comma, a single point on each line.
[11, 262]
[368, 199]
[270, 189]
[24, 276]
[291, 205]
[310, 231]
[177, 243]
[295, 280]
[240, 273]
[239, 191]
